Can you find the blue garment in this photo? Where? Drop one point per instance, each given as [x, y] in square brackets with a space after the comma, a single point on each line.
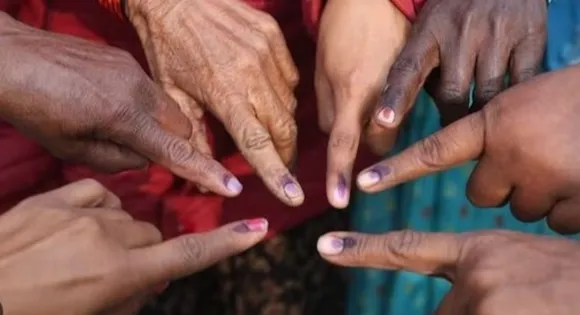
[438, 202]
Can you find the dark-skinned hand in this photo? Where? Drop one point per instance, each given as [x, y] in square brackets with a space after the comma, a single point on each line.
[93, 104]
[74, 250]
[492, 272]
[225, 57]
[455, 42]
[526, 140]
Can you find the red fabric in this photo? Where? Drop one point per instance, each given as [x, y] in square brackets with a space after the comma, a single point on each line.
[156, 195]
[410, 8]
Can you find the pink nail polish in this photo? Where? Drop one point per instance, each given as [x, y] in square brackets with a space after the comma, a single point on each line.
[252, 225]
[386, 116]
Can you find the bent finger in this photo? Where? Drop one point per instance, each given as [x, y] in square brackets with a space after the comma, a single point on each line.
[85, 193]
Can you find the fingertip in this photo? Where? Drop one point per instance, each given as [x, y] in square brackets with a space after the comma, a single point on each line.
[333, 244]
[292, 191]
[338, 191]
[369, 179]
[386, 117]
[233, 185]
[330, 245]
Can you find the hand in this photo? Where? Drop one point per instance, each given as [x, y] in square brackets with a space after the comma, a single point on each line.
[233, 60]
[493, 272]
[526, 142]
[74, 249]
[465, 40]
[358, 42]
[93, 104]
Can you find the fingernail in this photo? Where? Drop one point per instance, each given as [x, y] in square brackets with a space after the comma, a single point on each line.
[291, 189]
[386, 116]
[372, 176]
[331, 245]
[252, 225]
[233, 184]
[341, 191]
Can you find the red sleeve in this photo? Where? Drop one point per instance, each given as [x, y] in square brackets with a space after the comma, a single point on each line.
[312, 10]
[410, 8]
[114, 6]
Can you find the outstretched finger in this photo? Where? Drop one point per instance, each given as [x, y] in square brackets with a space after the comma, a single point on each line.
[188, 254]
[425, 253]
[147, 137]
[459, 142]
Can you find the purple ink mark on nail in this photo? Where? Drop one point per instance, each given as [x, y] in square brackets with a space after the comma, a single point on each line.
[337, 243]
[291, 189]
[232, 184]
[342, 186]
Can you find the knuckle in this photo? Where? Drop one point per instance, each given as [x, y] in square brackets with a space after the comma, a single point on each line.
[325, 124]
[452, 94]
[180, 152]
[294, 77]
[269, 26]
[87, 225]
[255, 140]
[403, 244]
[249, 60]
[431, 152]
[261, 46]
[192, 249]
[486, 92]
[292, 104]
[288, 131]
[343, 140]
[406, 65]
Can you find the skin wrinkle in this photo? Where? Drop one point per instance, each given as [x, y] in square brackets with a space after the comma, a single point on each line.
[227, 67]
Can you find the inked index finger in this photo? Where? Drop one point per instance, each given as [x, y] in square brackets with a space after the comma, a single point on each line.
[459, 142]
[188, 254]
[178, 155]
[425, 253]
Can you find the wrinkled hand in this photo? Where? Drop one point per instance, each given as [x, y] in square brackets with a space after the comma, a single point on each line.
[493, 272]
[74, 249]
[358, 42]
[93, 104]
[456, 41]
[526, 142]
[233, 60]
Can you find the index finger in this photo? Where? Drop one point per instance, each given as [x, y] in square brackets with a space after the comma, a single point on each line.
[425, 253]
[406, 78]
[147, 137]
[188, 254]
[457, 143]
[257, 146]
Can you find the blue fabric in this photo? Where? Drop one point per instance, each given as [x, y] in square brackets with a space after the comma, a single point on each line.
[438, 202]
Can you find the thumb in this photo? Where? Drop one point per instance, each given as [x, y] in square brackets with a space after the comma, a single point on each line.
[188, 254]
[425, 253]
[342, 149]
[459, 142]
